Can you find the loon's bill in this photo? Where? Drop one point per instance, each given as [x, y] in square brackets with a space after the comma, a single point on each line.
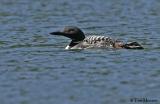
[79, 41]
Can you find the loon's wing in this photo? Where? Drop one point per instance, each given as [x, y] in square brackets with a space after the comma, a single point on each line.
[99, 41]
[95, 42]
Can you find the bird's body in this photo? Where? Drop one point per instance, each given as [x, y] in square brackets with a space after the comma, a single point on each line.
[94, 42]
[79, 41]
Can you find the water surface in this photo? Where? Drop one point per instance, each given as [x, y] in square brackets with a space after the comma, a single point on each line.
[35, 68]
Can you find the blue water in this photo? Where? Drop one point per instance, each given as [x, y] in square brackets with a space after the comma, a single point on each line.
[35, 68]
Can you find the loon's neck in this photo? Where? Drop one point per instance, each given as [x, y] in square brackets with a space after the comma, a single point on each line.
[73, 43]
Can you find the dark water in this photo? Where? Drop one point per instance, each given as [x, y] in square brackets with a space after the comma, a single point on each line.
[35, 68]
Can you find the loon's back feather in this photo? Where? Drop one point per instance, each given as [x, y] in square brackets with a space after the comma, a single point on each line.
[99, 39]
[94, 41]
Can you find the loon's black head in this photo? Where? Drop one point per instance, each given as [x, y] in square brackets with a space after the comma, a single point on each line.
[71, 32]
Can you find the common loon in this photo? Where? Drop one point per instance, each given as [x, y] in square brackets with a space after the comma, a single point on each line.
[79, 41]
